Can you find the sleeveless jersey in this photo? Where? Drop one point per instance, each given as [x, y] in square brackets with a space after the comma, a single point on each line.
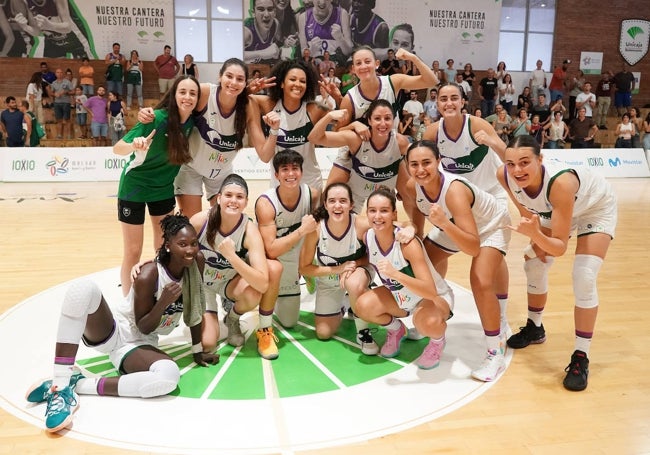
[294, 129]
[67, 45]
[372, 167]
[593, 189]
[333, 251]
[218, 271]
[258, 43]
[404, 297]
[463, 155]
[366, 35]
[168, 321]
[149, 176]
[287, 220]
[214, 143]
[488, 214]
[360, 101]
[314, 29]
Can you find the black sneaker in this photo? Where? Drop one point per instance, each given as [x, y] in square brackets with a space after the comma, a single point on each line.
[527, 335]
[577, 372]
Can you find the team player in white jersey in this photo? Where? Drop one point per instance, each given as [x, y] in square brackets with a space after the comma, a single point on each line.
[469, 146]
[553, 203]
[291, 113]
[410, 285]
[153, 307]
[223, 115]
[372, 163]
[236, 267]
[468, 219]
[284, 218]
[340, 265]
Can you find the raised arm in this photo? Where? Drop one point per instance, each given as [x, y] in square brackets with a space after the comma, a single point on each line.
[425, 79]
[319, 134]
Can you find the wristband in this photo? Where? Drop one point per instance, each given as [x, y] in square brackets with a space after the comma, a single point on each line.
[197, 348]
[274, 132]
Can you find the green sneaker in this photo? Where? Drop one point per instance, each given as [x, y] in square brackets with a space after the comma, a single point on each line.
[39, 391]
[61, 404]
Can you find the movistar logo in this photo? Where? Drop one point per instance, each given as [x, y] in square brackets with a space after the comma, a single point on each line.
[614, 162]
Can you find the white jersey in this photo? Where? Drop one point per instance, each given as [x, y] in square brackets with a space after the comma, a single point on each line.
[332, 250]
[593, 191]
[405, 298]
[361, 101]
[213, 142]
[463, 155]
[294, 129]
[488, 213]
[169, 320]
[287, 220]
[372, 168]
[218, 271]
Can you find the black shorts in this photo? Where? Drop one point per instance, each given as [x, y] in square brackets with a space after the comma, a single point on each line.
[133, 212]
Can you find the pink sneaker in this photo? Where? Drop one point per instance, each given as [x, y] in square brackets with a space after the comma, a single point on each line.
[393, 339]
[430, 357]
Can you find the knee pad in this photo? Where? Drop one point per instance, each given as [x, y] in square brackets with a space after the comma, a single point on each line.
[537, 275]
[165, 379]
[287, 309]
[82, 298]
[585, 273]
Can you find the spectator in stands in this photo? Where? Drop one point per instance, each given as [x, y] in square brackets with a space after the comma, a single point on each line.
[638, 126]
[82, 113]
[497, 110]
[167, 67]
[536, 130]
[47, 77]
[406, 127]
[35, 95]
[488, 91]
[586, 99]
[604, 93]
[524, 100]
[521, 124]
[390, 65]
[501, 71]
[189, 68]
[624, 85]
[331, 78]
[308, 60]
[96, 107]
[414, 106]
[116, 113]
[450, 71]
[115, 71]
[468, 76]
[582, 131]
[467, 89]
[325, 98]
[624, 132]
[69, 76]
[326, 65]
[134, 69]
[537, 81]
[11, 123]
[646, 133]
[431, 105]
[61, 90]
[556, 131]
[558, 106]
[542, 109]
[348, 80]
[506, 92]
[574, 85]
[558, 81]
[32, 139]
[435, 67]
[501, 124]
[87, 77]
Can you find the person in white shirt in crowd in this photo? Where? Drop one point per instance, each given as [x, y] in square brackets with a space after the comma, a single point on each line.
[415, 107]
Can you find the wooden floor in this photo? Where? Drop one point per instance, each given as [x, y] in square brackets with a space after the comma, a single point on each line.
[54, 233]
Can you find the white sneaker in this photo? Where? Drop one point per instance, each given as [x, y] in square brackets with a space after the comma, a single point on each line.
[367, 342]
[492, 366]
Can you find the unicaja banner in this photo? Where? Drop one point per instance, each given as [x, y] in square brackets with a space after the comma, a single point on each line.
[635, 35]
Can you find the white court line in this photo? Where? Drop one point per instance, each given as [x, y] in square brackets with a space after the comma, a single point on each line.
[213, 384]
[314, 360]
[272, 395]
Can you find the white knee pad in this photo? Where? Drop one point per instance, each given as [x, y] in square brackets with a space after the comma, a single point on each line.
[83, 298]
[585, 274]
[287, 309]
[165, 379]
[537, 274]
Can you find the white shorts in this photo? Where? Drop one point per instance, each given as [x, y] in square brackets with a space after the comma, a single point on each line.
[290, 278]
[122, 342]
[602, 217]
[330, 298]
[190, 182]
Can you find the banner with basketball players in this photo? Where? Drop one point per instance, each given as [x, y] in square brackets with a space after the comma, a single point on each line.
[75, 28]
[466, 31]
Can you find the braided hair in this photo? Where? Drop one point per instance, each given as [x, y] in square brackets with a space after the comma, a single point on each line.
[170, 225]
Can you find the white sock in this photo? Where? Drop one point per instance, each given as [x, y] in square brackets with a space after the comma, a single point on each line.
[536, 317]
[583, 344]
[494, 344]
[394, 324]
[87, 386]
[266, 320]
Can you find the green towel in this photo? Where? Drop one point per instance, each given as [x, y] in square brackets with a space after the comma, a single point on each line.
[193, 298]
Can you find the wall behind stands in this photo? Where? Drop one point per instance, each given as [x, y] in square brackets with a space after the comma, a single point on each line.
[580, 25]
